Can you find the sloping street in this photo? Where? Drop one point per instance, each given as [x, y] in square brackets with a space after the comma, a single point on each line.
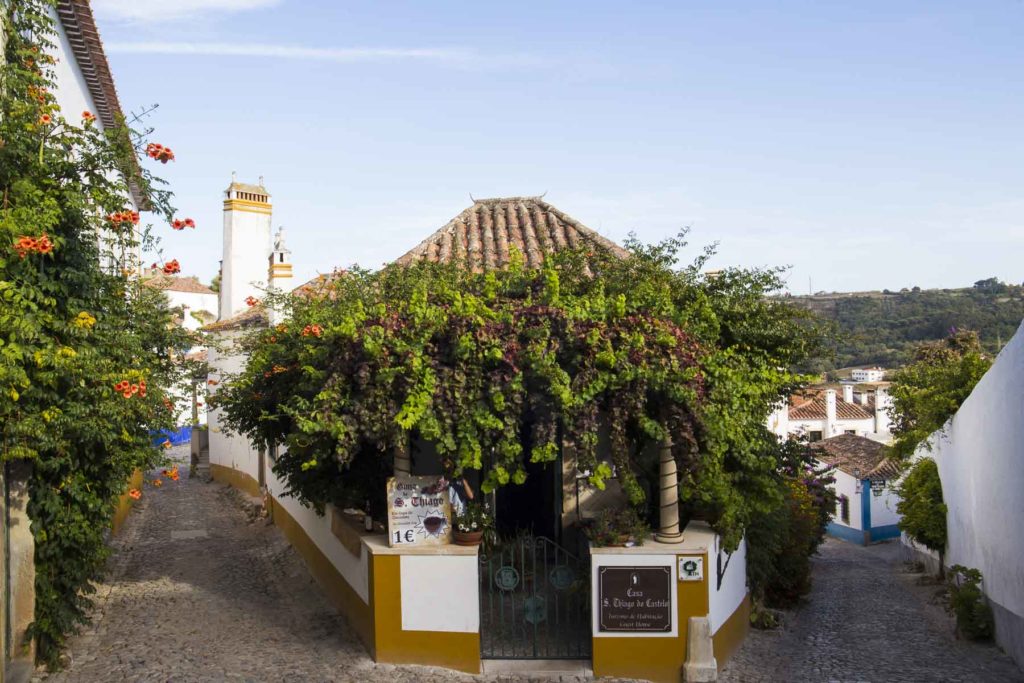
[866, 620]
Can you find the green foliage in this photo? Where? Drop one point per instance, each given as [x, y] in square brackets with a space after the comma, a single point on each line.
[968, 603]
[72, 324]
[923, 514]
[613, 527]
[885, 329]
[781, 542]
[929, 391]
[467, 361]
[473, 517]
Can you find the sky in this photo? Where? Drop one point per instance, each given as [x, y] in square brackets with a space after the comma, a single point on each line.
[864, 145]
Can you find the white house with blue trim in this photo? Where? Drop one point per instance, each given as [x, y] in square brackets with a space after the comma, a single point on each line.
[865, 480]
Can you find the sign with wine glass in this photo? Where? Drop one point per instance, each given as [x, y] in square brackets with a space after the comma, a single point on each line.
[419, 511]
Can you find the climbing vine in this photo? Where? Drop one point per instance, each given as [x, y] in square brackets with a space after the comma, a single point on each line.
[480, 365]
[88, 355]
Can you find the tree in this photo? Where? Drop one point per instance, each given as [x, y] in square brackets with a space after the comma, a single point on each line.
[931, 389]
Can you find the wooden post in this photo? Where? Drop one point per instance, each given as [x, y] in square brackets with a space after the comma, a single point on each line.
[668, 518]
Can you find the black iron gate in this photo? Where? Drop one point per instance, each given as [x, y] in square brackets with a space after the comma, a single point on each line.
[534, 601]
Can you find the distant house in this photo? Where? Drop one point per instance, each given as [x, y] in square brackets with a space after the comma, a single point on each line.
[866, 509]
[196, 302]
[875, 374]
[822, 413]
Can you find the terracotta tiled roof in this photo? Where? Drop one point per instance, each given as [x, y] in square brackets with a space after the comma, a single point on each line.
[813, 408]
[76, 18]
[849, 452]
[250, 317]
[483, 235]
[178, 284]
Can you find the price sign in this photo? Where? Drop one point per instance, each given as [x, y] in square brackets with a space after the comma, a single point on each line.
[419, 511]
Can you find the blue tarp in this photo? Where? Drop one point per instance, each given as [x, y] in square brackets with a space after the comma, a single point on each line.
[177, 436]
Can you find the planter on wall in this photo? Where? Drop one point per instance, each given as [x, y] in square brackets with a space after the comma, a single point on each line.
[468, 537]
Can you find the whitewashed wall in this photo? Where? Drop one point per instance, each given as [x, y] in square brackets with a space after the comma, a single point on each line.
[232, 450]
[725, 600]
[193, 303]
[421, 608]
[883, 507]
[846, 485]
[980, 456]
[355, 570]
[71, 92]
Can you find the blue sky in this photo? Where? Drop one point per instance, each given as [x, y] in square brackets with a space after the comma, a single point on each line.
[866, 145]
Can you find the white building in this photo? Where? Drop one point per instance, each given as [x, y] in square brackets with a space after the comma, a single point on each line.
[875, 374]
[866, 506]
[980, 455]
[824, 413]
[195, 304]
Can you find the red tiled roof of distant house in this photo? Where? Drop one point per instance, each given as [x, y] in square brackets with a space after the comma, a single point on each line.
[812, 407]
[178, 284]
[849, 452]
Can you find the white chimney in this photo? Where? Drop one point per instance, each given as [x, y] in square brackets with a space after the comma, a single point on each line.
[279, 274]
[862, 398]
[848, 393]
[882, 402]
[247, 213]
[830, 413]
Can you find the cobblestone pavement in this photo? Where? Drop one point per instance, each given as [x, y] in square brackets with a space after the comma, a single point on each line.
[198, 592]
[866, 620]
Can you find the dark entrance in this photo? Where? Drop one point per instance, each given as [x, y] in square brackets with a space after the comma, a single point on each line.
[533, 507]
[534, 601]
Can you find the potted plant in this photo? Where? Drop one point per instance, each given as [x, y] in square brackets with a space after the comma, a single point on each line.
[470, 524]
[617, 528]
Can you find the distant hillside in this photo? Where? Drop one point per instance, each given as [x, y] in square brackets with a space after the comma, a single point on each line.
[883, 327]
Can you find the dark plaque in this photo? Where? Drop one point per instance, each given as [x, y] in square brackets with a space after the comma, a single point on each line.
[635, 599]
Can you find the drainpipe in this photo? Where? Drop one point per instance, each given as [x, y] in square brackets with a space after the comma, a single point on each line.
[668, 518]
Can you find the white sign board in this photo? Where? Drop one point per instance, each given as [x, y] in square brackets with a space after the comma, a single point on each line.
[691, 568]
[419, 511]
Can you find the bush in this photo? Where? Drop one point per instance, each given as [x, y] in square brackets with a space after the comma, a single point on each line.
[780, 543]
[968, 603]
[617, 527]
[923, 514]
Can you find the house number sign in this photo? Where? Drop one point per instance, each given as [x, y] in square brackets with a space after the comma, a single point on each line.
[419, 511]
[635, 599]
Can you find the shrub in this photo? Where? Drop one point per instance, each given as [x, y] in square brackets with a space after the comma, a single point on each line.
[968, 603]
[923, 514]
[780, 543]
[617, 527]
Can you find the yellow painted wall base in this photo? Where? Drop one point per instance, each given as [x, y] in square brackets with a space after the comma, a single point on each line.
[124, 503]
[730, 635]
[460, 651]
[240, 480]
[654, 659]
[341, 595]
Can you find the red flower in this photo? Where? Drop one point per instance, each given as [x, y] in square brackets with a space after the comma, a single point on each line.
[178, 224]
[312, 331]
[45, 119]
[135, 494]
[172, 267]
[44, 245]
[88, 116]
[251, 301]
[189, 223]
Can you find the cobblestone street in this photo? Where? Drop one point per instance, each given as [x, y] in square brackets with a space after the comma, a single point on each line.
[197, 592]
[866, 620]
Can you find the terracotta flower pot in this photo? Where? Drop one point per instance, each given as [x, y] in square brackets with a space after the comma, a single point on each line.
[468, 537]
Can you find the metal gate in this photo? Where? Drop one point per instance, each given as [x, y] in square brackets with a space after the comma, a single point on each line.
[534, 601]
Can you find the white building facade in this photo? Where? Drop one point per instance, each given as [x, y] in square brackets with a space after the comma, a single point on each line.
[822, 414]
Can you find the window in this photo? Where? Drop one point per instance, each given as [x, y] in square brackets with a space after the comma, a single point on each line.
[850, 431]
[844, 509]
[814, 436]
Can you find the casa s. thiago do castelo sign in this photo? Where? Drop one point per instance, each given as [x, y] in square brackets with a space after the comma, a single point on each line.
[419, 511]
[635, 599]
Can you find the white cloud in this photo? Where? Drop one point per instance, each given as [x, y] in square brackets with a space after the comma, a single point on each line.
[332, 54]
[168, 10]
[466, 58]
